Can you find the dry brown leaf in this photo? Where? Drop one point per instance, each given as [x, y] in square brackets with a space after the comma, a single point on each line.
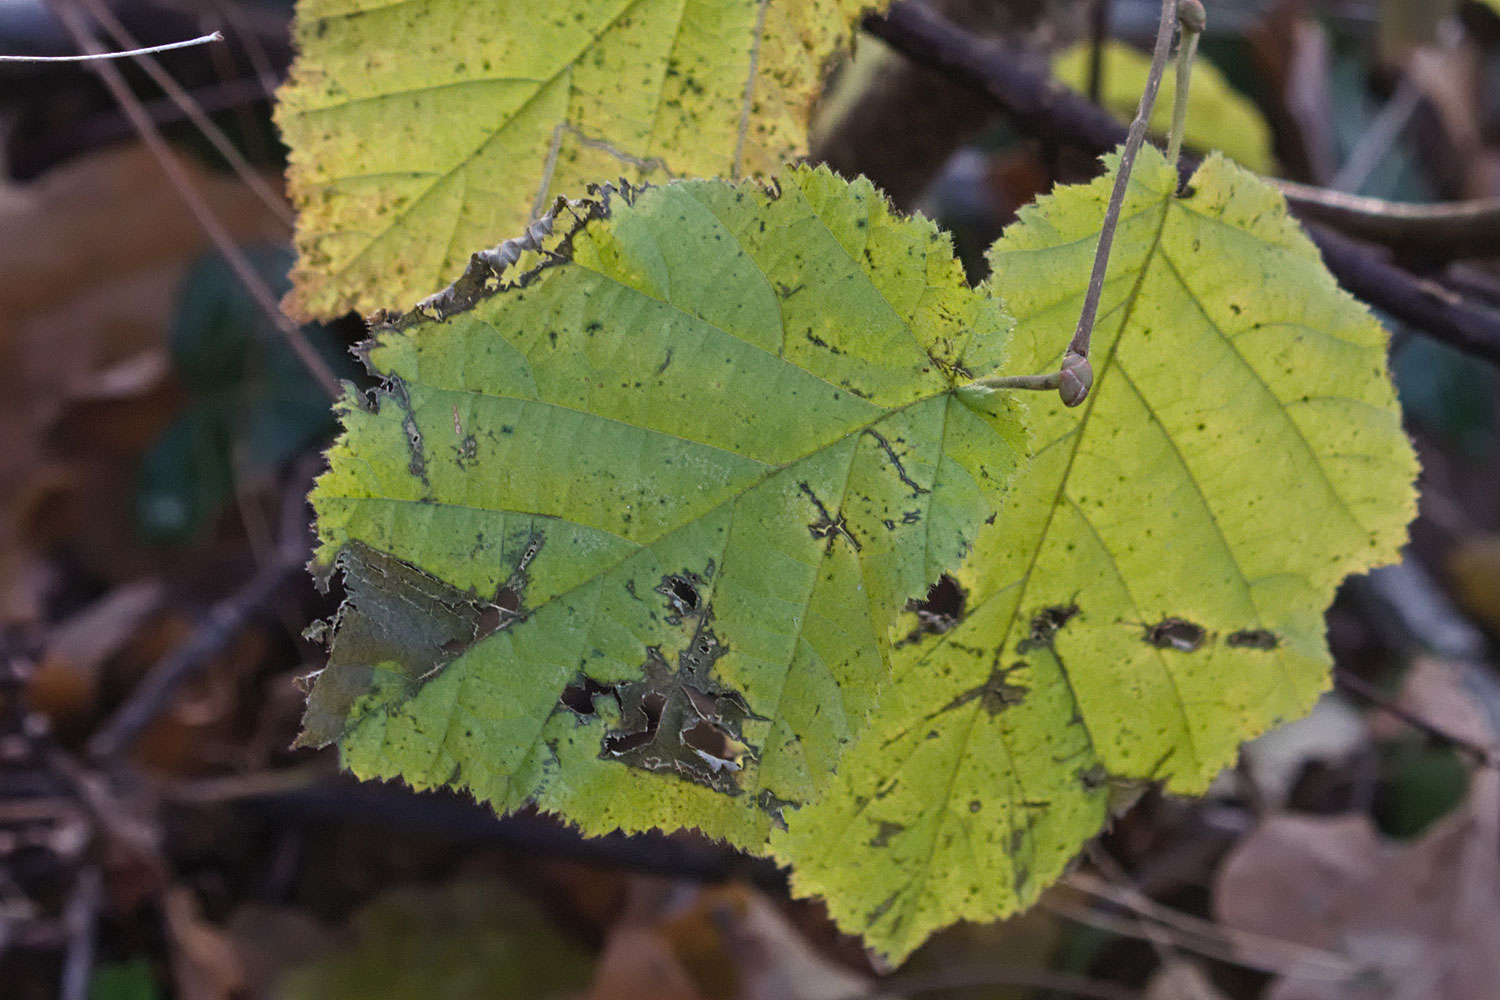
[93, 255]
[1180, 979]
[722, 942]
[205, 964]
[1474, 569]
[638, 964]
[67, 676]
[1422, 917]
[272, 939]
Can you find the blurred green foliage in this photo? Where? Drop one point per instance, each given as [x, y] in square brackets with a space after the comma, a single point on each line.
[251, 408]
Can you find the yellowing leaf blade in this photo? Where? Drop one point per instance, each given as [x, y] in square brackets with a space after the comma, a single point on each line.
[422, 129]
[1153, 594]
[625, 537]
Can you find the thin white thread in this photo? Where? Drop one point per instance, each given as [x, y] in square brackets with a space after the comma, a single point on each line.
[214, 36]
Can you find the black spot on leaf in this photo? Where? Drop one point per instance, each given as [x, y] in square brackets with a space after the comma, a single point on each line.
[1044, 627]
[1253, 638]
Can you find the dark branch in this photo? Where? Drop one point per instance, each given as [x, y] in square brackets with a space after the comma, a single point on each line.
[219, 628]
[1442, 232]
[1043, 108]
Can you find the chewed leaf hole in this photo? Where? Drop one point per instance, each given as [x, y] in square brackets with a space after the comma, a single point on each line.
[650, 707]
[717, 748]
[942, 608]
[1044, 627]
[507, 599]
[681, 592]
[579, 696]
[1175, 633]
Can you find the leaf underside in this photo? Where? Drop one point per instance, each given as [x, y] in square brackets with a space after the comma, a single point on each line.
[421, 129]
[1152, 594]
[628, 537]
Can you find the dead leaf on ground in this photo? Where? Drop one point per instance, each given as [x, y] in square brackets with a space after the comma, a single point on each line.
[93, 256]
[1333, 733]
[205, 964]
[66, 681]
[1422, 916]
[1180, 979]
[719, 942]
[272, 939]
[1474, 569]
[638, 964]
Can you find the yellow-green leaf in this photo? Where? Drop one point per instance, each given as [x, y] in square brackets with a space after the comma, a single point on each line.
[424, 129]
[1153, 592]
[626, 536]
[1219, 117]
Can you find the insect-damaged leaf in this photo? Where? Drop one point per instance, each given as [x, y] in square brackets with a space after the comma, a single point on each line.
[422, 129]
[1152, 593]
[667, 494]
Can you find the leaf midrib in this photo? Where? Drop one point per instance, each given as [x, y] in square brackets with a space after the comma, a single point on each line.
[915, 899]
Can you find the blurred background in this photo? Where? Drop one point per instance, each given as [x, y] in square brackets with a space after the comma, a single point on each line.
[159, 839]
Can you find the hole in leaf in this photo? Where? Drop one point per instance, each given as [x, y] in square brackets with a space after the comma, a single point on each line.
[579, 696]
[650, 707]
[1175, 633]
[774, 806]
[717, 748]
[940, 610]
[681, 592]
[507, 599]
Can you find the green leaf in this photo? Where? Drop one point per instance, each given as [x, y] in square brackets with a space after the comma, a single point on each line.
[1152, 595]
[251, 406]
[1219, 117]
[626, 536]
[131, 980]
[423, 129]
[472, 938]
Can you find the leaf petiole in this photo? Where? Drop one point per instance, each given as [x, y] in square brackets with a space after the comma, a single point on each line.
[1078, 347]
[1192, 19]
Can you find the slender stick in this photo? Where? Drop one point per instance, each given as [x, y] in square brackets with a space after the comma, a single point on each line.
[1098, 36]
[213, 36]
[1252, 949]
[1191, 18]
[1484, 756]
[1049, 381]
[179, 96]
[1079, 345]
[1040, 108]
[219, 627]
[82, 919]
[217, 234]
[1442, 231]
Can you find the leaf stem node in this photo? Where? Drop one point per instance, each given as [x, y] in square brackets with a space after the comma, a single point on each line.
[1075, 380]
